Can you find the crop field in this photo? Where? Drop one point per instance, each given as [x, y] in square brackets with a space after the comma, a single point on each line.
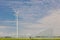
[29, 39]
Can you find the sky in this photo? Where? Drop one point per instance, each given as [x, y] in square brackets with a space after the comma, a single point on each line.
[34, 17]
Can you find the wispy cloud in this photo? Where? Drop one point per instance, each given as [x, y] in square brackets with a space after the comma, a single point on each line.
[7, 28]
[37, 15]
[7, 31]
[52, 21]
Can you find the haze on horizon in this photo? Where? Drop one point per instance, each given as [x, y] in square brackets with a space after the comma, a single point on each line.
[34, 17]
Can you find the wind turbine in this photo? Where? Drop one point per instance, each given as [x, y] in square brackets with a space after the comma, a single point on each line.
[17, 24]
[16, 11]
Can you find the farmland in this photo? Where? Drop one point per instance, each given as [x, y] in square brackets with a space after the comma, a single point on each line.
[29, 39]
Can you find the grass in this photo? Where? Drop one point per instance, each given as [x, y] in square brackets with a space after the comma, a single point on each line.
[29, 39]
[9, 39]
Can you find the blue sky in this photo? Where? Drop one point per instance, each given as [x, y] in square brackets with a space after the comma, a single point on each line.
[7, 20]
[34, 16]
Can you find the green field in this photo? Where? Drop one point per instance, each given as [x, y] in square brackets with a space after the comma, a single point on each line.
[29, 39]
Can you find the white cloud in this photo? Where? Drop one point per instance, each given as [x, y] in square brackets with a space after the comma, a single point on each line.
[32, 25]
[12, 34]
[1, 33]
[4, 31]
[31, 28]
[36, 1]
[4, 27]
[52, 21]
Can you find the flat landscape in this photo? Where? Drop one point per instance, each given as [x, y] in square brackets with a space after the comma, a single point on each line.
[29, 39]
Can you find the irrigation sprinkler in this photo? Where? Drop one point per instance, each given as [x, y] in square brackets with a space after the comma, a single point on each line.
[29, 36]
